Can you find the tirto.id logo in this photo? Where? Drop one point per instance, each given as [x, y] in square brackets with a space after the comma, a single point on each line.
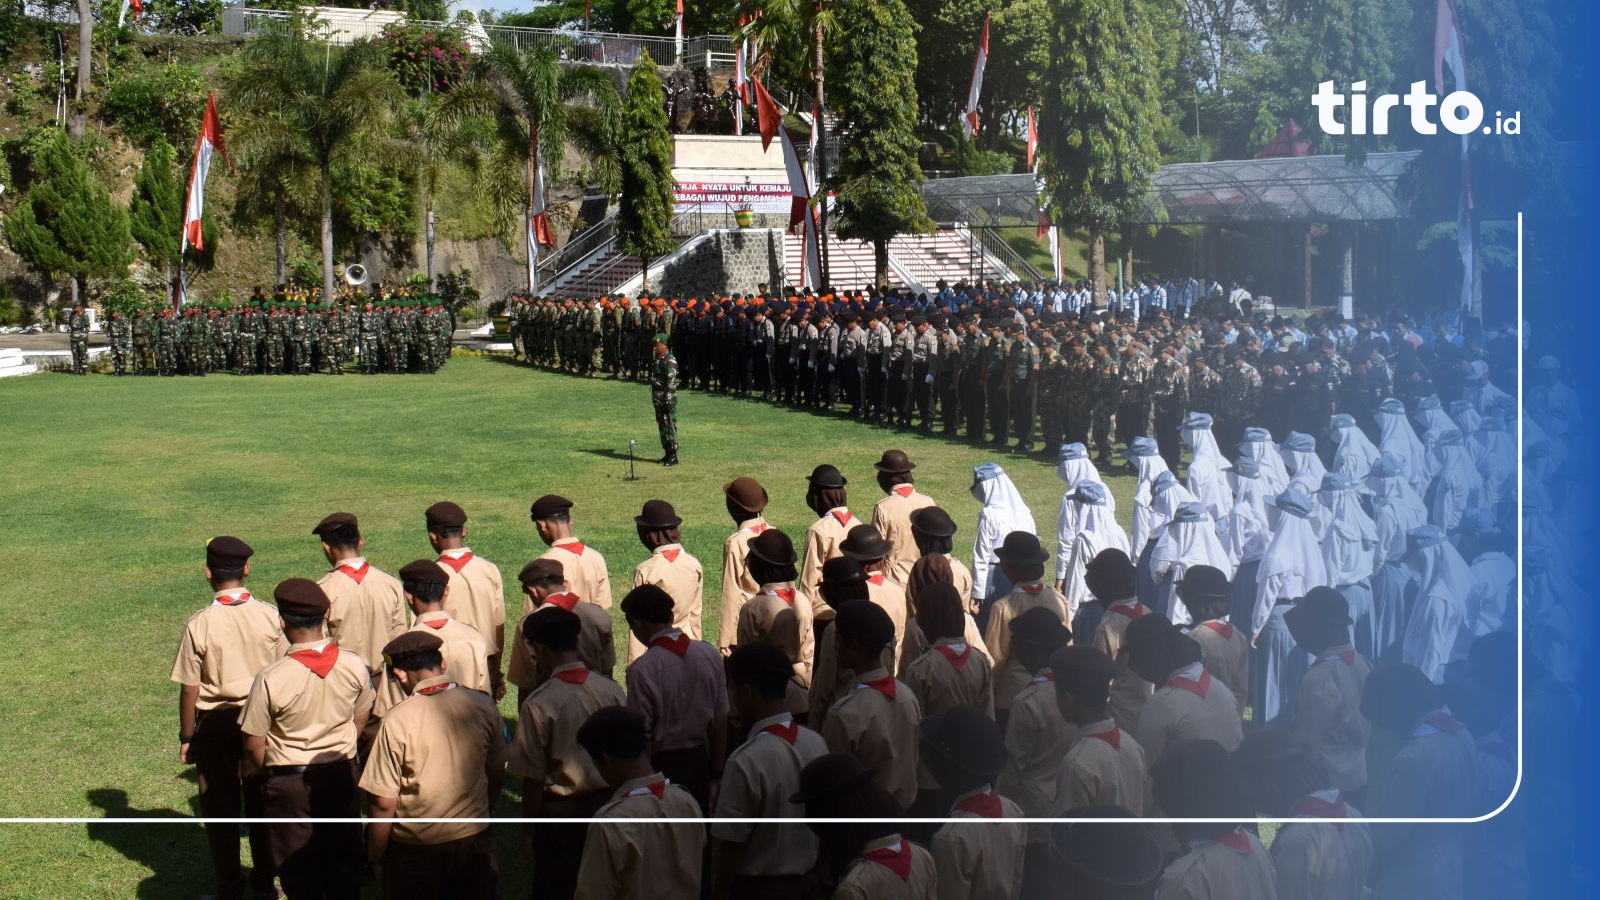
[1460, 112]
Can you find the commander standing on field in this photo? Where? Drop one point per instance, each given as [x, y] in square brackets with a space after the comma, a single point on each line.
[664, 394]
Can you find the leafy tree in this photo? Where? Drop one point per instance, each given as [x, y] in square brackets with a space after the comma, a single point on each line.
[535, 107]
[330, 106]
[66, 223]
[152, 103]
[644, 218]
[1097, 141]
[872, 66]
[432, 143]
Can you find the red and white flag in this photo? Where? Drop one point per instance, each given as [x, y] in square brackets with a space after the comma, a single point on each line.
[1449, 49]
[768, 118]
[799, 179]
[1033, 138]
[970, 120]
[136, 5]
[210, 140]
[538, 217]
[677, 26]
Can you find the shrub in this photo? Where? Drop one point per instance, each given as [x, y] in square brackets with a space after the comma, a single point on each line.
[425, 59]
[158, 102]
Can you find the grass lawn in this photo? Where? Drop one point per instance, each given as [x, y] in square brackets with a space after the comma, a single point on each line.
[113, 485]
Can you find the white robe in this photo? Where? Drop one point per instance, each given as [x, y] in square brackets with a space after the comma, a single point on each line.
[1291, 566]
[1248, 529]
[1097, 530]
[1350, 541]
[1400, 441]
[1182, 546]
[1355, 454]
[1003, 512]
[1207, 476]
[1458, 485]
[1436, 614]
[1074, 472]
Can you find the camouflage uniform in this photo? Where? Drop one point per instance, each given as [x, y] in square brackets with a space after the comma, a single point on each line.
[1078, 392]
[1105, 390]
[120, 333]
[1053, 373]
[1240, 397]
[664, 396]
[248, 324]
[1133, 408]
[144, 340]
[1169, 394]
[946, 372]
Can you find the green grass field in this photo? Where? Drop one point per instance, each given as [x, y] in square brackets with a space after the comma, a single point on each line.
[113, 485]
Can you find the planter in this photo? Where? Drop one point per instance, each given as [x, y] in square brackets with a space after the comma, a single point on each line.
[502, 326]
[745, 217]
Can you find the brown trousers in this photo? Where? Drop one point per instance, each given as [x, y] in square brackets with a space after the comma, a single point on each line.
[468, 868]
[315, 859]
[218, 755]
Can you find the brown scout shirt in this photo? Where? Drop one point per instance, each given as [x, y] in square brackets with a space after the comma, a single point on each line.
[585, 570]
[1191, 705]
[760, 777]
[678, 696]
[366, 609]
[737, 583]
[780, 614]
[890, 596]
[483, 604]
[981, 860]
[1322, 861]
[224, 645]
[952, 673]
[546, 744]
[677, 572]
[1328, 720]
[892, 518]
[306, 719]
[1225, 651]
[1010, 677]
[1128, 691]
[628, 860]
[822, 544]
[868, 879]
[466, 659]
[1037, 737]
[1105, 767]
[595, 644]
[878, 721]
[1213, 870]
[433, 752]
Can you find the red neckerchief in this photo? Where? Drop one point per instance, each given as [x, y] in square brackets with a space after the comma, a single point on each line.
[884, 686]
[1443, 721]
[876, 578]
[457, 563]
[757, 528]
[786, 730]
[573, 676]
[357, 574]
[225, 600]
[1223, 628]
[1041, 679]
[678, 645]
[959, 660]
[434, 689]
[985, 805]
[1237, 840]
[1315, 807]
[1349, 656]
[1135, 611]
[784, 594]
[659, 788]
[1113, 736]
[318, 661]
[904, 490]
[435, 624]
[844, 520]
[567, 600]
[1033, 590]
[1197, 688]
[673, 554]
[573, 547]
[896, 861]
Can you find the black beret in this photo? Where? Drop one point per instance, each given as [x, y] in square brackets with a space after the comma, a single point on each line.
[446, 515]
[424, 571]
[551, 624]
[864, 623]
[227, 552]
[336, 520]
[541, 570]
[300, 597]
[411, 642]
[758, 661]
[649, 603]
[549, 506]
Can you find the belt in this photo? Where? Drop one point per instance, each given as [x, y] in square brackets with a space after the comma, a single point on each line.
[274, 771]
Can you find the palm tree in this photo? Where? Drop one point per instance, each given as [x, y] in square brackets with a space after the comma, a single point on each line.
[324, 104]
[537, 108]
[432, 142]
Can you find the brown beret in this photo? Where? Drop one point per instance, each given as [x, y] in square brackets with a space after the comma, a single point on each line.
[425, 571]
[541, 570]
[746, 493]
[446, 515]
[300, 597]
[336, 520]
[227, 553]
[548, 506]
[411, 642]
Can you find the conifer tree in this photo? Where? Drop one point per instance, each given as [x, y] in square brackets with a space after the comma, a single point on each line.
[644, 217]
[66, 224]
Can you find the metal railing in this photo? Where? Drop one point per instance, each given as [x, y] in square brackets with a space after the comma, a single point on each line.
[577, 249]
[984, 230]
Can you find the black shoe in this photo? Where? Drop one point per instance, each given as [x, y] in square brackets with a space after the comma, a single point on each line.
[671, 459]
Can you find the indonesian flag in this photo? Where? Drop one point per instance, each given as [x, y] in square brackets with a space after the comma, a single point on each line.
[1033, 138]
[970, 121]
[1449, 50]
[677, 26]
[136, 5]
[538, 219]
[799, 180]
[811, 254]
[768, 118]
[210, 140]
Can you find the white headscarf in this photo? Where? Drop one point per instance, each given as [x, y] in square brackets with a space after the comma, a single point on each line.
[1496, 455]
[1095, 530]
[1557, 610]
[1468, 420]
[1074, 467]
[1441, 601]
[1207, 470]
[1190, 539]
[1350, 540]
[1355, 454]
[1248, 529]
[1432, 422]
[1259, 446]
[1396, 509]
[1003, 512]
[1459, 484]
[1300, 458]
[1166, 495]
[1293, 563]
[1400, 441]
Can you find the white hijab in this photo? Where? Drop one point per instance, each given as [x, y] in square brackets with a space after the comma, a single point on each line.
[1459, 484]
[1207, 470]
[1003, 512]
[1433, 423]
[1396, 510]
[1496, 455]
[1166, 495]
[1190, 539]
[1443, 573]
[1300, 458]
[1291, 566]
[1258, 446]
[1400, 441]
[1355, 454]
[1095, 530]
[1350, 541]
[1248, 529]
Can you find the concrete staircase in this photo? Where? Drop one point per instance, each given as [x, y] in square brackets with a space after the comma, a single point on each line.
[13, 363]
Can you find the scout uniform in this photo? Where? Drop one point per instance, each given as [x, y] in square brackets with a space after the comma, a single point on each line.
[1189, 704]
[366, 605]
[434, 755]
[759, 781]
[465, 651]
[877, 721]
[1315, 860]
[974, 858]
[822, 542]
[1231, 866]
[1128, 691]
[595, 645]
[1010, 676]
[222, 647]
[951, 673]
[1225, 652]
[1104, 767]
[779, 614]
[748, 495]
[1038, 739]
[309, 708]
[631, 860]
[476, 594]
[672, 569]
[584, 566]
[890, 866]
[1327, 718]
[892, 515]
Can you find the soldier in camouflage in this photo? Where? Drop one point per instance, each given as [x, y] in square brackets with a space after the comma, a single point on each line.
[120, 333]
[664, 397]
